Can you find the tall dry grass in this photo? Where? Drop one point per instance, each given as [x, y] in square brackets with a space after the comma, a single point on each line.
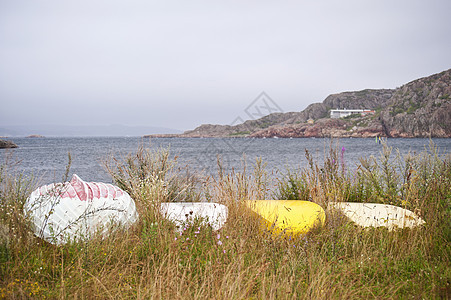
[154, 260]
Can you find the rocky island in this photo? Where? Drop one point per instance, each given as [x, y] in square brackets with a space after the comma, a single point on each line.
[34, 136]
[421, 108]
[7, 144]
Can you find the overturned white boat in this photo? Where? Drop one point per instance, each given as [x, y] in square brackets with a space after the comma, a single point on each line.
[377, 215]
[77, 209]
[182, 213]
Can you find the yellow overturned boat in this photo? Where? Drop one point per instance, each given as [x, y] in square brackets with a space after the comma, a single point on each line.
[292, 217]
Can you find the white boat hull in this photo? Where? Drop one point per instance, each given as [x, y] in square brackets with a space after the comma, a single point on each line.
[76, 210]
[182, 213]
[377, 215]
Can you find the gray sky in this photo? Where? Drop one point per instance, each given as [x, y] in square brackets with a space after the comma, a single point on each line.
[179, 64]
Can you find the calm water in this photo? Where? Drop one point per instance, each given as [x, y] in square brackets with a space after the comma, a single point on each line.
[48, 157]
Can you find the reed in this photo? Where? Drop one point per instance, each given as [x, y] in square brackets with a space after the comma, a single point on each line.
[155, 260]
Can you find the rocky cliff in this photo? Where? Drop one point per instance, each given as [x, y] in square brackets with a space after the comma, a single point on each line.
[421, 108]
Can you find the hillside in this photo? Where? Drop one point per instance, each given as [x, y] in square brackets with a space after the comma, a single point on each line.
[421, 108]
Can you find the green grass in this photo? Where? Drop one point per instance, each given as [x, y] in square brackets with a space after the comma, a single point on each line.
[351, 116]
[153, 260]
[240, 133]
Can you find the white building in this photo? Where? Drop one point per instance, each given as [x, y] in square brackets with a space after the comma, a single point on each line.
[341, 113]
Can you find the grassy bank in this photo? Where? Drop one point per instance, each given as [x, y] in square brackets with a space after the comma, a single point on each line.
[154, 260]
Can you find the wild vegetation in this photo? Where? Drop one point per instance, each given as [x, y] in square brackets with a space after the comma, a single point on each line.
[153, 259]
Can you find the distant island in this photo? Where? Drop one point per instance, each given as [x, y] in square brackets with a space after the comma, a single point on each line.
[421, 108]
[61, 130]
[33, 136]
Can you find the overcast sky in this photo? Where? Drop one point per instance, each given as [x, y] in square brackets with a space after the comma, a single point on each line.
[179, 64]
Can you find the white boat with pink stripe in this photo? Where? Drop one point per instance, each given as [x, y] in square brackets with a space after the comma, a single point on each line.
[77, 209]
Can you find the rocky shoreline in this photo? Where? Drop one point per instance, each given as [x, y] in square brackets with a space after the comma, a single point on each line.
[323, 128]
[7, 144]
[421, 108]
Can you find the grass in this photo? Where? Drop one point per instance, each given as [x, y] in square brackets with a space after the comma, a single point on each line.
[154, 260]
[240, 133]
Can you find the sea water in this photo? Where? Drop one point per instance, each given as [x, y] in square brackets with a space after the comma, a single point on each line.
[47, 158]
